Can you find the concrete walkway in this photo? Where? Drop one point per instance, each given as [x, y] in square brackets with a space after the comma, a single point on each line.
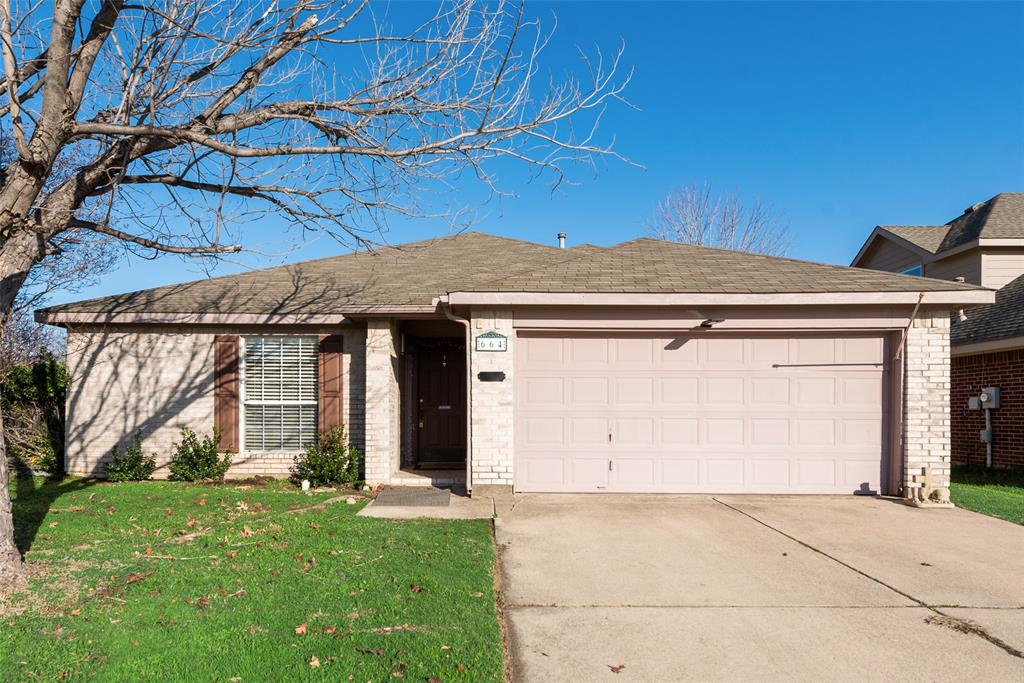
[673, 588]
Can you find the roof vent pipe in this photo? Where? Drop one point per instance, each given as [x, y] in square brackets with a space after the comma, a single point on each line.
[561, 240]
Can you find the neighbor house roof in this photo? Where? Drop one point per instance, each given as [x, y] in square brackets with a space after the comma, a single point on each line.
[1002, 320]
[414, 276]
[927, 237]
[999, 218]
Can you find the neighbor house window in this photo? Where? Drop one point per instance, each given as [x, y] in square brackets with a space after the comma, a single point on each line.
[279, 389]
[915, 270]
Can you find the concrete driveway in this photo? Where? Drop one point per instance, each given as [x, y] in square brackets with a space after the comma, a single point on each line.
[671, 588]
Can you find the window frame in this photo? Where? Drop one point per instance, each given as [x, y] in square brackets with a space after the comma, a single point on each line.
[243, 391]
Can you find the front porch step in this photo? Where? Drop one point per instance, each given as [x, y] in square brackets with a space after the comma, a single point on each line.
[440, 478]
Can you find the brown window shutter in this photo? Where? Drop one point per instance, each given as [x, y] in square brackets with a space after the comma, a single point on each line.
[331, 382]
[226, 390]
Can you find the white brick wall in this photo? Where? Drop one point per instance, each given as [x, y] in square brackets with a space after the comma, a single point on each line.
[158, 379]
[492, 403]
[382, 401]
[926, 398]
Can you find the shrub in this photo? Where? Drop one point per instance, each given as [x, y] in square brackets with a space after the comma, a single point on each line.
[130, 464]
[328, 461]
[32, 400]
[198, 459]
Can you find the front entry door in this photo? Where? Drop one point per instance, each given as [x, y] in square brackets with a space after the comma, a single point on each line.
[441, 405]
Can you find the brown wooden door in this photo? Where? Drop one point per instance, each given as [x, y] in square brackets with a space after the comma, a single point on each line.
[441, 406]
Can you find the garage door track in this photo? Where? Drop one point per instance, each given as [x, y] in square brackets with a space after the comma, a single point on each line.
[671, 588]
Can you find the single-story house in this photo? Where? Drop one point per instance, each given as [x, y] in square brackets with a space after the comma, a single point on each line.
[983, 246]
[473, 359]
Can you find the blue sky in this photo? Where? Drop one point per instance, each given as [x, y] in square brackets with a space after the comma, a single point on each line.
[842, 116]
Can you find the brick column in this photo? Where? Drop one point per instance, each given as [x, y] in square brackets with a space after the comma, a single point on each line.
[492, 404]
[381, 437]
[926, 435]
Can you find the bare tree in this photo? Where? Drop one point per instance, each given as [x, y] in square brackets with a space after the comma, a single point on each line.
[694, 214]
[194, 118]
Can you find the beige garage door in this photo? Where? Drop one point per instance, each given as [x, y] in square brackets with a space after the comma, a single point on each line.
[711, 414]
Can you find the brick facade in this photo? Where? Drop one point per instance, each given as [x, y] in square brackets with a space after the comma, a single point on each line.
[382, 401]
[492, 403]
[970, 374]
[926, 398]
[155, 380]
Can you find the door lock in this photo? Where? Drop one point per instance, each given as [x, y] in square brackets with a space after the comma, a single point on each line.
[421, 424]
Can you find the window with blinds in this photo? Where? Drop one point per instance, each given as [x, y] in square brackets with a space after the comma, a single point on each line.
[279, 385]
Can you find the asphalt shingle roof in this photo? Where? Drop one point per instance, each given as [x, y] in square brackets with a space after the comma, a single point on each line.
[416, 273]
[657, 267]
[1001, 217]
[1002, 320]
[928, 237]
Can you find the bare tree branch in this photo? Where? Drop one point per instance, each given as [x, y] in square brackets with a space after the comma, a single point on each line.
[694, 214]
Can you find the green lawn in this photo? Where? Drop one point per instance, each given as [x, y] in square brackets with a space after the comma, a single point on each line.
[159, 580]
[999, 493]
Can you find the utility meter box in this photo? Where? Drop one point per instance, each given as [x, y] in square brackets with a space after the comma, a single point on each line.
[974, 403]
[989, 398]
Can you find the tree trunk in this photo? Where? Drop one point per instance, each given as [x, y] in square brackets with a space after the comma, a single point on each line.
[12, 569]
[17, 255]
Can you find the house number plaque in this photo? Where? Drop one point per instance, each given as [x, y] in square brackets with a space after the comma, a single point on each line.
[491, 341]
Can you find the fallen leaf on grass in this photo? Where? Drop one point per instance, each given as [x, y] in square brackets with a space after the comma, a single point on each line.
[232, 553]
[53, 524]
[247, 532]
[300, 630]
[446, 647]
[617, 669]
[309, 565]
[434, 679]
[415, 588]
[478, 594]
[75, 612]
[149, 551]
[135, 577]
[242, 505]
[201, 502]
[314, 663]
[374, 651]
[203, 602]
[328, 630]
[399, 670]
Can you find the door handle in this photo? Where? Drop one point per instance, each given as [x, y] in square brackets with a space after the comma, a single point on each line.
[421, 424]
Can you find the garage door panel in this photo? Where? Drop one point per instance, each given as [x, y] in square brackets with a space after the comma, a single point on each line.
[680, 390]
[632, 391]
[770, 474]
[699, 414]
[586, 432]
[680, 431]
[723, 473]
[589, 390]
[723, 391]
[544, 391]
[721, 431]
[588, 351]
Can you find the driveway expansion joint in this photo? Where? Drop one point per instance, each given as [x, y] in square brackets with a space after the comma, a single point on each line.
[949, 621]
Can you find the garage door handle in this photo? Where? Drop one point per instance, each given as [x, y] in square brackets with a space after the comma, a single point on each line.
[609, 465]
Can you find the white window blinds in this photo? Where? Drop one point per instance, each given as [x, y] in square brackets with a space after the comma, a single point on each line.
[280, 393]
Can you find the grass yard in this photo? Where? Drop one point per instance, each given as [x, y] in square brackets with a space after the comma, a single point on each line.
[999, 493]
[170, 581]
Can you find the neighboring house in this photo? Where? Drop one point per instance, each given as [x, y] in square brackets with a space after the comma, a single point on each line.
[983, 246]
[645, 366]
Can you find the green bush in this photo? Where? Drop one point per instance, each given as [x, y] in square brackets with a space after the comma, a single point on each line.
[130, 464]
[32, 399]
[328, 461]
[198, 459]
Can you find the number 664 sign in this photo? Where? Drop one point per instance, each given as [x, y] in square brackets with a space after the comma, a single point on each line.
[491, 341]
